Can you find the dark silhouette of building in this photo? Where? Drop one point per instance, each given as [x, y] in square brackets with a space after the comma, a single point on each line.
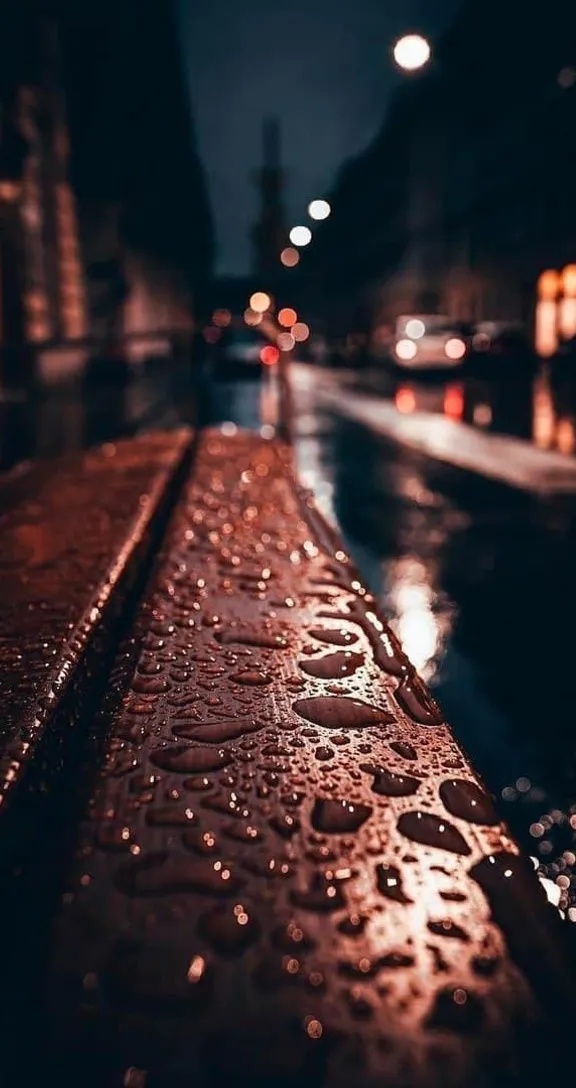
[105, 220]
[42, 282]
[466, 194]
[269, 233]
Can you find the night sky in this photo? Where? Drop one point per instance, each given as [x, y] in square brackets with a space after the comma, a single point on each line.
[322, 65]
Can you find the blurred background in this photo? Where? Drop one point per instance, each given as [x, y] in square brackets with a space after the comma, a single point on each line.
[355, 224]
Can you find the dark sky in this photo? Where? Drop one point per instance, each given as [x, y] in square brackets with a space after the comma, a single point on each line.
[322, 65]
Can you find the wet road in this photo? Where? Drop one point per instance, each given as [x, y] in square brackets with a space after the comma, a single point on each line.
[478, 576]
[467, 537]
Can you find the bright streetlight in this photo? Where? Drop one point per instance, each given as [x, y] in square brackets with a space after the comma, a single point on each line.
[411, 52]
[300, 236]
[319, 209]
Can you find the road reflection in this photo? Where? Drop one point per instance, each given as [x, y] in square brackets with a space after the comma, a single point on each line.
[541, 409]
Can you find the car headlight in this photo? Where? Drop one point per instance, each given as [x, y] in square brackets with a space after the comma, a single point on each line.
[406, 349]
[455, 348]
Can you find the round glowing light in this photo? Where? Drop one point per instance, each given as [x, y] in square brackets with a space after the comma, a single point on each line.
[285, 341]
[300, 236]
[319, 209]
[300, 332]
[289, 257]
[260, 302]
[549, 284]
[406, 349]
[251, 317]
[287, 317]
[415, 328]
[269, 355]
[411, 52]
[221, 318]
[212, 334]
[454, 348]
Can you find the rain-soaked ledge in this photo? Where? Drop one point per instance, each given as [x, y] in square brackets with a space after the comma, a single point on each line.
[287, 873]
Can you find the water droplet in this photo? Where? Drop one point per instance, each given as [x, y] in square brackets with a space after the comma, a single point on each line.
[285, 825]
[389, 784]
[333, 666]
[466, 800]
[353, 925]
[340, 712]
[171, 816]
[334, 636]
[447, 928]
[389, 882]
[430, 830]
[216, 732]
[229, 929]
[417, 701]
[162, 873]
[189, 760]
[320, 895]
[251, 678]
[403, 749]
[246, 833]
[291, 938]
[323, 752]
[262, 639]
[338, 817]
[456, 1009]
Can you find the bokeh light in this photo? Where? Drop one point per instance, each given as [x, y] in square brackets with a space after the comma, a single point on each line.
[455, 348]
[251, 317]
[300, 332]
[289, 257]
[285, 341]
[411, 52]
[221, 318]
[319, 209]
[287, 317]
[406, 349]
[300, 236]
[212, 334]
[269, 355]
[415, 328]
[260, 302]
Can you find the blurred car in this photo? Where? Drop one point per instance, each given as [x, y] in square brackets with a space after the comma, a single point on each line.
[430, 342]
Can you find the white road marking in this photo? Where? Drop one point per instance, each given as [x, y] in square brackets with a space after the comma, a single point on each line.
[500, 457]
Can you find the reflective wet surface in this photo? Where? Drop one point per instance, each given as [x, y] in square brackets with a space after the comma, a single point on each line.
[476, 575]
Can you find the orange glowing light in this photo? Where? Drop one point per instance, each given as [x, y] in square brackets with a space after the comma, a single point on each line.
[286, 341]
[269, 355]
[569, 280]
[221, 318]
[548, 285]
[405, 400]
[287, 317]
[260, 302]
[454, 402]
[289, 257]
[546, 331]
[300, 332]
[567, 317]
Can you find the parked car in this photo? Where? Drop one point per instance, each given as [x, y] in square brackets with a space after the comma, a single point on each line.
[430, 342]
